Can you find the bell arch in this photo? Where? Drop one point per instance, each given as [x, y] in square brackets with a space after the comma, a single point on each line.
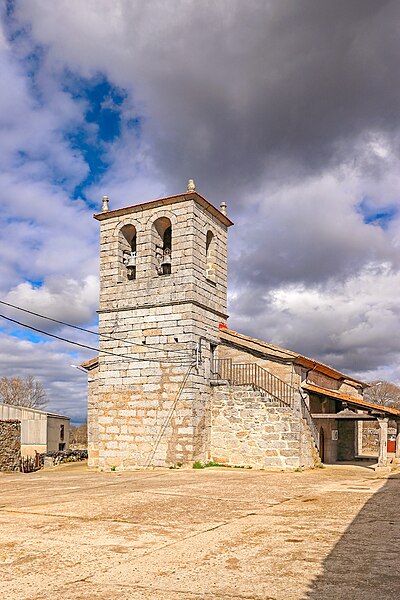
[127, 244]
[211, 256]
[161, 233]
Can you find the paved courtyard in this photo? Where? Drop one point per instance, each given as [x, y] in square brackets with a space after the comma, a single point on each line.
[75, 534]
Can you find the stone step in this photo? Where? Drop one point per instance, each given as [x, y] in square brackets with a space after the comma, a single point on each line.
[256, 393]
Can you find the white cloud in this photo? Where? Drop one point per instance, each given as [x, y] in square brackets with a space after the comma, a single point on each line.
[50, 363]
[266, 109]
[246, 86]
[347, 324]
[60, 298]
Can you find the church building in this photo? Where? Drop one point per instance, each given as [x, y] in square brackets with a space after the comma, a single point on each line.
[172, 384]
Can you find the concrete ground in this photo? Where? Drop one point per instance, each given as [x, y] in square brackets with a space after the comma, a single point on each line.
[75, 534]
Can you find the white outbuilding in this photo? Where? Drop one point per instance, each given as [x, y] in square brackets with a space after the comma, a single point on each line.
[41, 431]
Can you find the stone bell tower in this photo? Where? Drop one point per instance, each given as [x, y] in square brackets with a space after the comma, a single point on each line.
[163, 293]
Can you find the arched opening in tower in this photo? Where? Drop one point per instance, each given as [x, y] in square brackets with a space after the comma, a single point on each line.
[162, 230]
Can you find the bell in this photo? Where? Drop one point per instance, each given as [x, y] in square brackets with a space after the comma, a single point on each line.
[131, 260]
[166, 260]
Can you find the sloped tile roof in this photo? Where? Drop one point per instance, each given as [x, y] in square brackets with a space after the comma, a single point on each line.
[250, 343]
[350, 399]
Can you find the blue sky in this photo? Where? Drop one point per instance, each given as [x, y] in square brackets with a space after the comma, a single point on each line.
[296, 129]
[381, 216]
[104, 112]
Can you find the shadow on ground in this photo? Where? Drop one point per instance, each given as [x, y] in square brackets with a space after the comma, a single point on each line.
[365, 563]
[367, 462]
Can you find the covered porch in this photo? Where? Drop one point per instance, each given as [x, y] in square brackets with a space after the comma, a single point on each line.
[339, 419]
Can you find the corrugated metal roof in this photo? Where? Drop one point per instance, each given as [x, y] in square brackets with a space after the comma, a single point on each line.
[34, 410]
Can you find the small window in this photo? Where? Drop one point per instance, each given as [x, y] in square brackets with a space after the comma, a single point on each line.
[62, 432]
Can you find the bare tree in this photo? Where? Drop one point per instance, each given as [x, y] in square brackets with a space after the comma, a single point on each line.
[78, 436]
[23, 391]
[383, 392]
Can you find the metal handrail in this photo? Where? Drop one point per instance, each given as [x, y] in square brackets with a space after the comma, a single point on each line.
[305, 412]
[255, 375]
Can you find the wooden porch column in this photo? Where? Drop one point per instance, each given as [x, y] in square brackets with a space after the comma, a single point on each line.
[397, 455]
[383, 431]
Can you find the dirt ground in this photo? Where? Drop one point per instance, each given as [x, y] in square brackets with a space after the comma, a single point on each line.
[72, 533]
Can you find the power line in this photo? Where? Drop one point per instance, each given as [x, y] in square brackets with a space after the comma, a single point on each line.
[105, 336]
[169, 416]
[58, 337]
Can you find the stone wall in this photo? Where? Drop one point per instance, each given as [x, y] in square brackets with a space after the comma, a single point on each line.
[93, 416]
[247, 428]
[146, 408]
[370, 436]
[10, 445]
[287, 372]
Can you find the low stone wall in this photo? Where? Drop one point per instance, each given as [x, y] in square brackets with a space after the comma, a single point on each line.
[247, 428]
[51, 459]
[10, 445]
[370, 437]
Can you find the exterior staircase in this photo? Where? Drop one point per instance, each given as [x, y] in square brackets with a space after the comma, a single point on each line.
[268, 413]
[224, 369]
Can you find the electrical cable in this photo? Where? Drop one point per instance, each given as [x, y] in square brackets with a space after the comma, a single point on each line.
[169, 416]
[58, 337]
[103, 335]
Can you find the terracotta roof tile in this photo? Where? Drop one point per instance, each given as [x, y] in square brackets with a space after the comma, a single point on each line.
[165, 201]
[266, 348]
[350, 399]
[90, 363]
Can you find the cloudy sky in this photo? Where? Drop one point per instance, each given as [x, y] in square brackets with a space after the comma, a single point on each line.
[285, 109]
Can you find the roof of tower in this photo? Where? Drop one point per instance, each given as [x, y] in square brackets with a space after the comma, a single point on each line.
[167, 202]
